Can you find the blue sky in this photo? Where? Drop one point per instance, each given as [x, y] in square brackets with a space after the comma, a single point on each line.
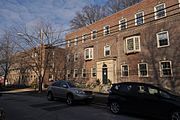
[29, 12]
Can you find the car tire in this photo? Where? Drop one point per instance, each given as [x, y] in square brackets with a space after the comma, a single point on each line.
[115, 107]
[50, 96]
[69, 100]
[175, 116]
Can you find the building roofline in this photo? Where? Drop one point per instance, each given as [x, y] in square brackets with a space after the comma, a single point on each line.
[79, 29]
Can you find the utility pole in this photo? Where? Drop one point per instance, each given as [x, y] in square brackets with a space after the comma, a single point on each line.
[41, 61]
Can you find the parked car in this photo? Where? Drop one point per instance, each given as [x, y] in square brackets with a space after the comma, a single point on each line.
[144, 99]
[2, 114]
[66, 90]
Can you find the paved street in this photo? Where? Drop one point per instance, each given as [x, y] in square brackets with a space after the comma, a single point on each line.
[25, 107]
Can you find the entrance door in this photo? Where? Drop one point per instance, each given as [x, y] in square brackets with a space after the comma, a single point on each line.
[104, 74]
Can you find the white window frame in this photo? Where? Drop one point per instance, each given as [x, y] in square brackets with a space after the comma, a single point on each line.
[123, 70]
[155, 11]
[120, 24]
[90, 53]
[161, 70]
[141, 12]
[68, 74]
[105, 30]
[139, 72]
[75, 56]
[84, 71]
[68, 58]
[84, 37]
[74, 73]
[68, 43]
[76, 41]
[179, 2]
[93, 33]
[135, 49]
[105, 50]
[92, 72]
[157, 36]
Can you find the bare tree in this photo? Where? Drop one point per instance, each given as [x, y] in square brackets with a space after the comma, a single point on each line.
[92, 13]
[88, 15]
[6, 53]
[38, 45]
[113, 6]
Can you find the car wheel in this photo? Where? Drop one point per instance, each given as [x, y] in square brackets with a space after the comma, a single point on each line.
[175, 116]
[115, 107]
[50, 96]
[69, 99]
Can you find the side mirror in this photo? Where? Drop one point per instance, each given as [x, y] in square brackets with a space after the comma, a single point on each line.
[65, 86]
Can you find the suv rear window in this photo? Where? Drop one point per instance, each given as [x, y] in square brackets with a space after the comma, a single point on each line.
[123, 88]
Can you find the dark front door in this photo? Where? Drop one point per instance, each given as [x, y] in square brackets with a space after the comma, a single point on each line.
[104, 74]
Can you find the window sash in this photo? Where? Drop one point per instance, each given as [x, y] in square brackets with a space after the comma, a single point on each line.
[166, 68]
[163, 39]
[133, 44]
[84, 38]
[88, 53]
[84, 73]
[160, 11]
[75, 57]
[106, 30]
[124, 70]
[143, 69]
[76, 41]
[94, 34]
[93, 72]
[139, 18]
[106, 50]
[123, 24]
[75, 73]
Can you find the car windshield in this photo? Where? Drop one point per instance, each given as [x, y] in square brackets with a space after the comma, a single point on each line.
[71, 85]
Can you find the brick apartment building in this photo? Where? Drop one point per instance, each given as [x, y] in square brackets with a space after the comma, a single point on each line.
[26, 66]
[139, 43]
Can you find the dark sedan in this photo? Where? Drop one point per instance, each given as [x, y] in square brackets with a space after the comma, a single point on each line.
[144, 99]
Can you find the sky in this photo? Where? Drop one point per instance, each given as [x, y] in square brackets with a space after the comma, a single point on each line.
[29, 12]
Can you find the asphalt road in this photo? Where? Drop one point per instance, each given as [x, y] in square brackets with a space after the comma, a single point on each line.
[24, 107]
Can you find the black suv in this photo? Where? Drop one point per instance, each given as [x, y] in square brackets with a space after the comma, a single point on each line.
[144, 99]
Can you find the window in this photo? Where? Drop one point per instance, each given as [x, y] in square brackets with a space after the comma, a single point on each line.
[143, 70]
[68, 73]
[68, 43]
[68, 58]
[162, 39]
[165, 69]
[160, 11]
[88, 53]
[152, 91]
[83, 73]
[84, 38]
[124, 70]
[123, 24]
[106, 30]
[107, 50]
[76, 41]
[123, 88]
[75, 73]
[132, 44]
[75, 56]
[94, 34]
[93, 71]
[139, 18]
